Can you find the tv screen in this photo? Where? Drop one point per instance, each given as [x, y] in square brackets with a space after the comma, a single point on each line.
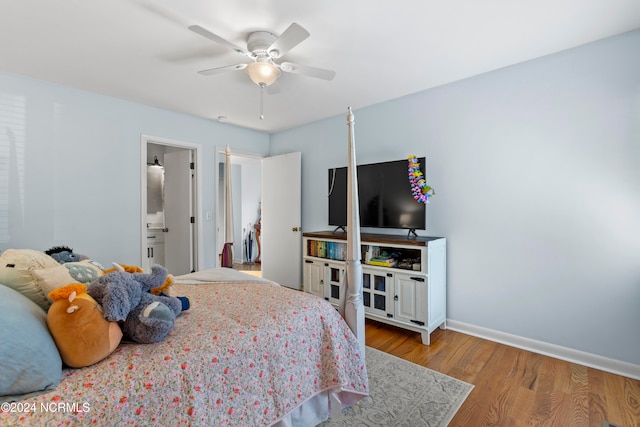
[385, 197]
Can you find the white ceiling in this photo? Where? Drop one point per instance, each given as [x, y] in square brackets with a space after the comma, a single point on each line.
[142, 50]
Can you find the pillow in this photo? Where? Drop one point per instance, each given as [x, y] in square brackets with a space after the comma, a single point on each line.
[16, 271]
[85, 271]
[29, 360]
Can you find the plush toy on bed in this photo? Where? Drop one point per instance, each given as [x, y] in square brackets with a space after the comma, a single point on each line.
[64, 254]
[161, 290]
[81, 333]
[125, 298]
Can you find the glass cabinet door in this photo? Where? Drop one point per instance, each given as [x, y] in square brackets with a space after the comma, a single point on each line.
[376, 293]
[366, 290]
[335, 275]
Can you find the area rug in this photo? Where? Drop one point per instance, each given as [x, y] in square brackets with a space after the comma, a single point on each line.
[403, 394]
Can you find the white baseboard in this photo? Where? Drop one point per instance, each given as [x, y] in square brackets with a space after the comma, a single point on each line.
[590, 360]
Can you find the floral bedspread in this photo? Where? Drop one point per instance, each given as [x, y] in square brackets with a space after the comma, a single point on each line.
[244, 354]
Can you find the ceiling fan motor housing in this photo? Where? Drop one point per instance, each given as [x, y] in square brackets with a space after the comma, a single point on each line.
[259, 41]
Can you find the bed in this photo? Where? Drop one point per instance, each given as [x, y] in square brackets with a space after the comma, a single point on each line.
[247, 353]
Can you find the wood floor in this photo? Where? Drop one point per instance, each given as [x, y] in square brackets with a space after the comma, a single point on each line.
[515, 387]
[254, 269]
[512, 387]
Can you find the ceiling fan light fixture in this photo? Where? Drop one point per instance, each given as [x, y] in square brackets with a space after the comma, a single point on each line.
[155, 162]
[263, 73]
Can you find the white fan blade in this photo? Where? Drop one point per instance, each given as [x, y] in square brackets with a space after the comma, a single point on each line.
[213, 37]
[218, 70]
[292, 36]
[318, 73]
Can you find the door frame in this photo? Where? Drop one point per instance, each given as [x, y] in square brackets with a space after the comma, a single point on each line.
[197, 193]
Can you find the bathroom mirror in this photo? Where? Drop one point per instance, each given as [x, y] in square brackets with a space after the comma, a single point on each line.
[155, 189]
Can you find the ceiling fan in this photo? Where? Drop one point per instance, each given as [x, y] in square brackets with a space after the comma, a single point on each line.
[265, 48]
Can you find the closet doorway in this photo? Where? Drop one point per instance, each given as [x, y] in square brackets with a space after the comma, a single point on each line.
[246, 199]
[170, 203]
[265, 191]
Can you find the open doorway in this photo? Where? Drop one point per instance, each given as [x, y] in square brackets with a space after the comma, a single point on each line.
[170, 201]
[246, 196]
[275, 185]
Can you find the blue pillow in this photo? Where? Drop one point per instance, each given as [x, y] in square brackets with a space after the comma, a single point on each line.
[29, 360]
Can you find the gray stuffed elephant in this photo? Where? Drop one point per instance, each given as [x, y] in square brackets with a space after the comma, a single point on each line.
[125, 298]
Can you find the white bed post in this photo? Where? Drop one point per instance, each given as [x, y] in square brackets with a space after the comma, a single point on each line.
[354, 308]
[227, 250]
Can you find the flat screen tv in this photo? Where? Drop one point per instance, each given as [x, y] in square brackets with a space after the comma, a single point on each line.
[385, 197]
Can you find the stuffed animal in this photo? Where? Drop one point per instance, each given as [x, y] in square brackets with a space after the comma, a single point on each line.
[81, 333]
[64, 254]
[125, 298]
[17, 267]
[161, 290]
[123, 267]
[164, 289]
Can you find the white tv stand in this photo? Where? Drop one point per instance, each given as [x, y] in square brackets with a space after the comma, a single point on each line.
[408, 292]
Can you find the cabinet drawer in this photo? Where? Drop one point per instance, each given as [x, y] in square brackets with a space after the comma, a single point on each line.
[155, 236]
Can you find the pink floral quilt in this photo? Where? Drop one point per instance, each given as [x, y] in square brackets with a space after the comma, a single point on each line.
[244, 354]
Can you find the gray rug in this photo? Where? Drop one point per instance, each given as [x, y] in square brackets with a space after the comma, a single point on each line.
[403, 394]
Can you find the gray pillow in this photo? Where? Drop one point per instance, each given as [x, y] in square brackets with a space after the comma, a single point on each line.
[29, 360]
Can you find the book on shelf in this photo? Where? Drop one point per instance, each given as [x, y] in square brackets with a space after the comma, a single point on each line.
[383, 262]
[324, 249]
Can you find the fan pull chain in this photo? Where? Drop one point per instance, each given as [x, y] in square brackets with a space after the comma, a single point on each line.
[262, 101]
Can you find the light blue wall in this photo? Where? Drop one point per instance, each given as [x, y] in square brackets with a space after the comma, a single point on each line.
[70, 167]
[536, 172]
[535, 168]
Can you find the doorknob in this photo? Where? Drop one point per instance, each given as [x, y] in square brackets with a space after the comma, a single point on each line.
[296, 228]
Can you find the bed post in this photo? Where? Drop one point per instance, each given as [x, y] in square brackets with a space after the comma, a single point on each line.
[354, 308]
[227, 250]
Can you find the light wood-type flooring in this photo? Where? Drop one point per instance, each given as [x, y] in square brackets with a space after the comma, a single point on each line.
[515, 387]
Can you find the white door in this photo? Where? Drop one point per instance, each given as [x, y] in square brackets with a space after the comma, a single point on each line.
[178, 240]
[281, 234]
